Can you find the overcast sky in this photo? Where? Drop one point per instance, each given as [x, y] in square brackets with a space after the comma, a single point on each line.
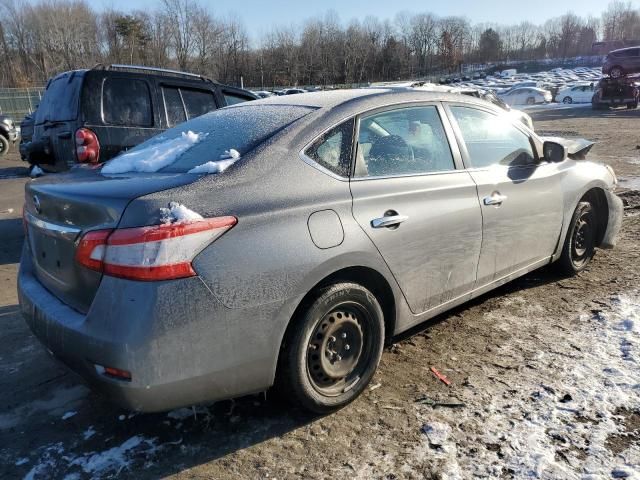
[260, 16]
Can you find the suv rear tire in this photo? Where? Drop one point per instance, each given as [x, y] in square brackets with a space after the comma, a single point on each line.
[332, 349]
[567, 99]
[4, 146]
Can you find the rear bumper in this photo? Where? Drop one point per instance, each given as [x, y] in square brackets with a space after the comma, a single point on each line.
[176, 341]
[616, 212]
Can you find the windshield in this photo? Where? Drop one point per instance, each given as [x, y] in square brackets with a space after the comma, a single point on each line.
[207, 144]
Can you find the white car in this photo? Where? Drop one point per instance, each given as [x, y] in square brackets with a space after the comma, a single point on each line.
[525, 96]
[576, 94]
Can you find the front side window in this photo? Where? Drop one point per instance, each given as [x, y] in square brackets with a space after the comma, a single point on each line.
[233, 98]
[126, 102]
[402, 142]
[333, 150]
[492, 139]
[197, 102]
[173, 105]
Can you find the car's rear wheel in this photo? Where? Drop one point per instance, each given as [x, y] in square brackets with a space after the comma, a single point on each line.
[580, 242]
[632, 106]
[616, 72]
[332, 349]
[567, 100]
[4, 145]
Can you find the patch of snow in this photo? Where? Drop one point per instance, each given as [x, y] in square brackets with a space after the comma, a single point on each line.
[121, 417]
[436, 432]
[229, 157]
[116, 458]
[178, 213]
[47, 462]
[180, 413]
[69, 415]
[154, 156]
[21, 461]
[88, 433]
[36, 171]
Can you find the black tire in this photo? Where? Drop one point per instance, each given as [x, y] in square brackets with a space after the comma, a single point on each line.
[632, 106]
[580, 242]
[4, 146]
[616, 72]
[567, 100]
[332, 349]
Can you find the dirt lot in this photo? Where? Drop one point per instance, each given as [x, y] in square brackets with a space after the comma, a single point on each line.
[544, 377]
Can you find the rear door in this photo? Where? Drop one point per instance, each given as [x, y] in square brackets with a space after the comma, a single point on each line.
[56, 120]
[416, 205]
[520, 196]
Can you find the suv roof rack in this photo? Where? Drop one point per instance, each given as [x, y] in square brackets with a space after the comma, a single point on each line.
[155, 70]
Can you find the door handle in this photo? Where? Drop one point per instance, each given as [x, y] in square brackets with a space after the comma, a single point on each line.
[494, 199]
[388, 221]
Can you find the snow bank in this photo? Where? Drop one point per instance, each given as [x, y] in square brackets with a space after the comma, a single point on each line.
[230, 157]
[153, 157]
[178, 213]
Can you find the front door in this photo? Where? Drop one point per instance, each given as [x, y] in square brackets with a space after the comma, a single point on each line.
[421, 212]
[520, 197]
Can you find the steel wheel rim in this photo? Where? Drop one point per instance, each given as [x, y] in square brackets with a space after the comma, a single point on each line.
[582, 240]
[339, 348]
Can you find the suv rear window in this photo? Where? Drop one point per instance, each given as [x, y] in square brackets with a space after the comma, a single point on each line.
[60, 100]
[208, 138]
[126, 102]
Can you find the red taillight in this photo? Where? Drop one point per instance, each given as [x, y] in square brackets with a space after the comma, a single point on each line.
[159, 252]
[87, 146]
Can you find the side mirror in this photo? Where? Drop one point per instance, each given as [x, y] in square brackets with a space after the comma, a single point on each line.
[554, 152]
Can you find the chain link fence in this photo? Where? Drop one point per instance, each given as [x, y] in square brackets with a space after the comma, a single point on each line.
[18, 102]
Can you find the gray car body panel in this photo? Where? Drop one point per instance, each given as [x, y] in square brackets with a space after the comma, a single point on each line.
[218, 335]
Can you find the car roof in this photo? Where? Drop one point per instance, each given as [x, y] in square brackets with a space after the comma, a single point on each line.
[369, 98]
[624, 49]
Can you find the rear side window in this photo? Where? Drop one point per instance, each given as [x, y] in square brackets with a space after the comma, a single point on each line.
[173, 105]
[233, 98]
[126, 102]
[333, 149]
[60, 100]
[197, 102]
[492, 139]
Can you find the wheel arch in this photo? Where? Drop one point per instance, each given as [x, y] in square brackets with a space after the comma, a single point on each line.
[598, 199]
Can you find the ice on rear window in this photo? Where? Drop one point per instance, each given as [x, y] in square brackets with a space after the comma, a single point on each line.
[229, 158]
[210, 143]
[155, 156]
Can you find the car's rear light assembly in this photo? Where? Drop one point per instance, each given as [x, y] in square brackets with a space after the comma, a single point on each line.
[159, 252]
[87, 146]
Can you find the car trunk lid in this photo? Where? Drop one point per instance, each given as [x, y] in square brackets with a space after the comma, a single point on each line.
[60, 209]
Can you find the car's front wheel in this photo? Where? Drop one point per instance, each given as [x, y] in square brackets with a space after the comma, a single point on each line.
[332, 349]
[4, 145]
[567, 100]
[580, 242]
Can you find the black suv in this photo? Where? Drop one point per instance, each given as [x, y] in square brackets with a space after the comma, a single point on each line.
[89, 116]
[8, 134]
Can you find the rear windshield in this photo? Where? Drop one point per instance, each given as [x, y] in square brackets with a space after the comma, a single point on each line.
[60, 100]
[218, 136]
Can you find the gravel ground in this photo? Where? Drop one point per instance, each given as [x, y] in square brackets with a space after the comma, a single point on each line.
[544, 379]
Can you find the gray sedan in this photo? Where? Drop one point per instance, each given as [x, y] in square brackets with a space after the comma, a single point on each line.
[283, 241]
